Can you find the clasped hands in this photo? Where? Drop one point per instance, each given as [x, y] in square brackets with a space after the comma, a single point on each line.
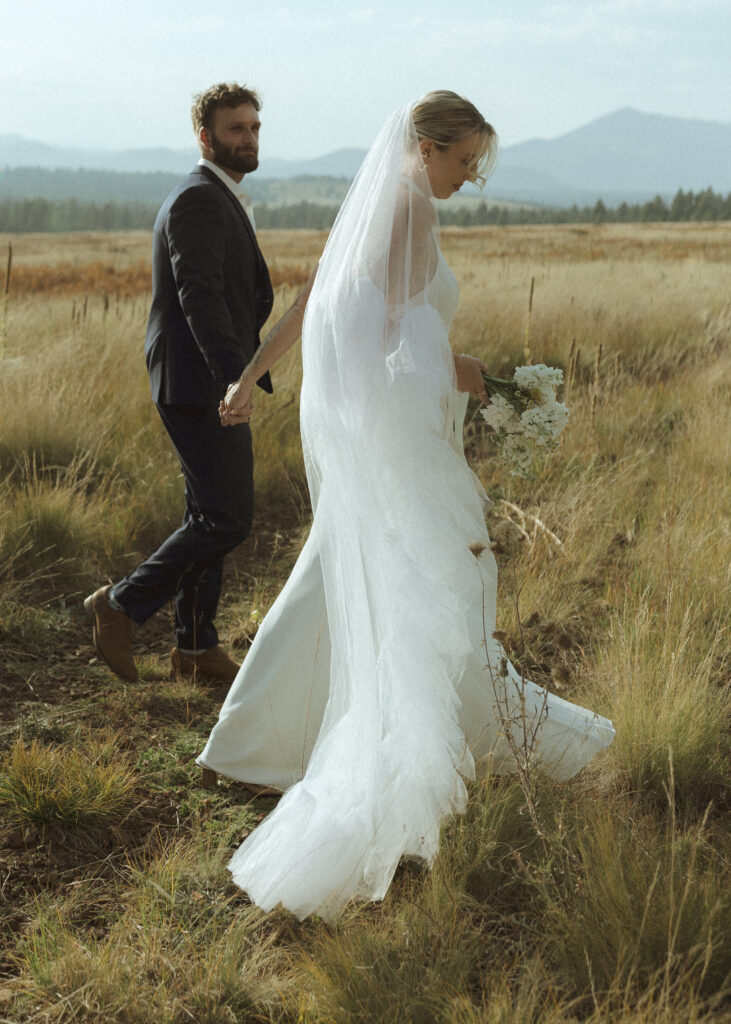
[237, 405]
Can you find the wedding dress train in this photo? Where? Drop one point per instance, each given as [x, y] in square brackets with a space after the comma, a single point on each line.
[374, 685]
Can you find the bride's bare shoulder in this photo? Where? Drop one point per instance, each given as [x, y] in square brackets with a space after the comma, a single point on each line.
[415, 216]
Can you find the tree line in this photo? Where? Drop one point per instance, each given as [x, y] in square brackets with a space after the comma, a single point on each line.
[706, 205]
[20, 216]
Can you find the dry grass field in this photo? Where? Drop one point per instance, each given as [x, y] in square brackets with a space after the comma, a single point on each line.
[602, 900]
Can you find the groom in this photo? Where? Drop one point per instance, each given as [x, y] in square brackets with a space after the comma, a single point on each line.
[211, 294]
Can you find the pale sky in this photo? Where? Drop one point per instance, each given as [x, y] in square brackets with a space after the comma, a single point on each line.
[121, 75]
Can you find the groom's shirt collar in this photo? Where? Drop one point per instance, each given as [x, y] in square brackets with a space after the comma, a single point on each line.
[235, 187]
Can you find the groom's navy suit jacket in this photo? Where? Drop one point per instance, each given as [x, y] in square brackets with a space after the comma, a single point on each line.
[211, 294]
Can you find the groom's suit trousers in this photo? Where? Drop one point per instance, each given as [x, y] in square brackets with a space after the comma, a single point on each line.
[217, 467]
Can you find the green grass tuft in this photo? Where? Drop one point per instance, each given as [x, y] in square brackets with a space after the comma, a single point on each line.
[46, 785]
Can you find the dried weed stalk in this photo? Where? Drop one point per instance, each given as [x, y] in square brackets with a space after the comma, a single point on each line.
[521, 728]
[6, 301]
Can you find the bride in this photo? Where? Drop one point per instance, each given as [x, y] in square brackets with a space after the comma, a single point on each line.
[374, 687]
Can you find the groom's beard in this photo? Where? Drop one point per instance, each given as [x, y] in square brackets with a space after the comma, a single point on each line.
[235, 158]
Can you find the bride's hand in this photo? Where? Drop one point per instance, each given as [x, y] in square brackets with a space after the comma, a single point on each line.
[469, 372]
[238, 404]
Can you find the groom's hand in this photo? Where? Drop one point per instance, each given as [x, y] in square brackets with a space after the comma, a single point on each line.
[238, 404]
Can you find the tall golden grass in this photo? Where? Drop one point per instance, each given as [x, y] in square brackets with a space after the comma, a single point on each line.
[99, 278]
[614, 592]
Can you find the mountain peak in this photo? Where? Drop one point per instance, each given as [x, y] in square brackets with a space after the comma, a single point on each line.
[633, 150]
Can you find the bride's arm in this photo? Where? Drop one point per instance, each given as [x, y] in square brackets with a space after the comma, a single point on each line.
[469, 370]
[238, 404]
[412, 264]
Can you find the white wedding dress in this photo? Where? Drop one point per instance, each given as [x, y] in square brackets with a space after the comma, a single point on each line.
[374, 686]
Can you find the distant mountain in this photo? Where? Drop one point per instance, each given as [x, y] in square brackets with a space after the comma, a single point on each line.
[152, 188]
[627, 155]
[342, 163]
[86, 186]
[16, 151]
[629, 150]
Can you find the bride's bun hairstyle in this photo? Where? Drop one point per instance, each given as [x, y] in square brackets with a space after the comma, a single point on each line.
[446, 118]
[225, 94]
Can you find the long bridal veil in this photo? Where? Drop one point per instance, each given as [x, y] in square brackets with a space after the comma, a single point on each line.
[398, 565]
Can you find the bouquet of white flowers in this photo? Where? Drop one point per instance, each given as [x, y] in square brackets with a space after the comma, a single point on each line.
[524, 414]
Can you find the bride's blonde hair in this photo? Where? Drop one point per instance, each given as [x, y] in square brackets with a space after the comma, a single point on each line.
[446, 118]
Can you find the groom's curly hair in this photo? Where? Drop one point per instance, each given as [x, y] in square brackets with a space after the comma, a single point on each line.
[225, 94]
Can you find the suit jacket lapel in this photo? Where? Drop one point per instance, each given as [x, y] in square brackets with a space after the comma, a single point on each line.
[202, 169]
[232, 199]
[263, 269]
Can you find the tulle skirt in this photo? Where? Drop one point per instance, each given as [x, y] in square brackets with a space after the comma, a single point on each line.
[374, 687]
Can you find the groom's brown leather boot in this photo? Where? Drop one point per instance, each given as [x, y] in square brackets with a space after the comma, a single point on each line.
[112, 632]
[210, 664]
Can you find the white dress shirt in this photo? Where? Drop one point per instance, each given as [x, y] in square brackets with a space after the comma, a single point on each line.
[235, 187]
